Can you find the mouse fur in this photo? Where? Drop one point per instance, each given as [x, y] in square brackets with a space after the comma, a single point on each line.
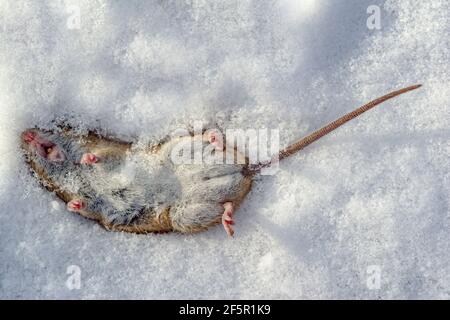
[139, 190]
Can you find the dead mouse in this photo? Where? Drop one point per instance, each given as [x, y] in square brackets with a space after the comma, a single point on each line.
[142, 190]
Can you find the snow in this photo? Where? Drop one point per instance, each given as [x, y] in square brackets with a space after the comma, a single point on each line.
[363, 213]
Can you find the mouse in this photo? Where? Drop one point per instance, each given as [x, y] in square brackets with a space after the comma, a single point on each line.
[141, 189]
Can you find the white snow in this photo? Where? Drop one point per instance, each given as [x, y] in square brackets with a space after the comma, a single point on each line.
[375, 193]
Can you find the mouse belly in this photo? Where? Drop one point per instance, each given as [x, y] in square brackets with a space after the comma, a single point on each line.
[205, 193]
[207, 187]
[136, 191]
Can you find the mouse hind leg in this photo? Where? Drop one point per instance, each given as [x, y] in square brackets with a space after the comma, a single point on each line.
[227, 218]
[195, 217]
[218, 197]
[198, 217]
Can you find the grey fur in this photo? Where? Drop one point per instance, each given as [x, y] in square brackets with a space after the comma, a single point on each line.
[120, 189]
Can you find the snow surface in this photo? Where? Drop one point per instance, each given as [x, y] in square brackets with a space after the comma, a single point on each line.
[371, 201]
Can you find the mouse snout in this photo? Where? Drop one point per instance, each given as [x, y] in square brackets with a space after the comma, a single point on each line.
[28, 136]
[43, 146]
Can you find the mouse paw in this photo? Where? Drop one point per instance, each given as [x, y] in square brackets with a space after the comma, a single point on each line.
[227, 218]
[89, 158]
[215, 138]
[75, 205]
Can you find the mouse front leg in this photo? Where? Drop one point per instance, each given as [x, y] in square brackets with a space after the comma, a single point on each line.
[76, 205]
[79, 206]
[227, 218]
[89, 158]
[97, 155]
[99, 149]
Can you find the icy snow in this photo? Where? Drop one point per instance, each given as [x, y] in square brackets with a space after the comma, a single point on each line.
[364, 213]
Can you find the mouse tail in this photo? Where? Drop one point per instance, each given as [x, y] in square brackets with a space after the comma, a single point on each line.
[316, 135]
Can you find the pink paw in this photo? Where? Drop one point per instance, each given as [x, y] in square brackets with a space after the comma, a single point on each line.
[215, 138]
[227, 218]
[89, 158]
[75, 205]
